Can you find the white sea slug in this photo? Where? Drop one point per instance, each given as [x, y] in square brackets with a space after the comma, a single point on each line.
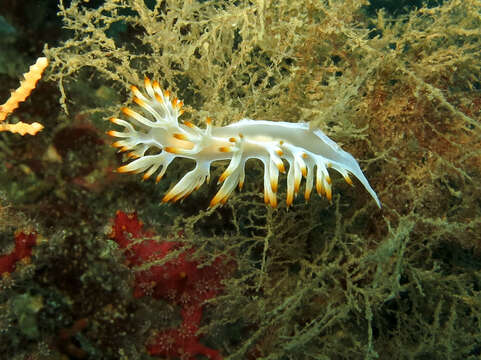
[155, 138]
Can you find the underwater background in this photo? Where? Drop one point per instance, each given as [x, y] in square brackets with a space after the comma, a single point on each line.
[95, 266]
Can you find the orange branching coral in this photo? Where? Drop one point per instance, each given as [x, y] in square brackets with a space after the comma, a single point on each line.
[19, 95]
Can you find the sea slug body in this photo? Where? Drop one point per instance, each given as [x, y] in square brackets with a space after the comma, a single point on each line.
[154, 138]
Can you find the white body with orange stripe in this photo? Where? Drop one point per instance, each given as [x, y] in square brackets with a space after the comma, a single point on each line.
[309, 153]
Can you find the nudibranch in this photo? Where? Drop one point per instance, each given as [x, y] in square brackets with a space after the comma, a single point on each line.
[154, 138]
